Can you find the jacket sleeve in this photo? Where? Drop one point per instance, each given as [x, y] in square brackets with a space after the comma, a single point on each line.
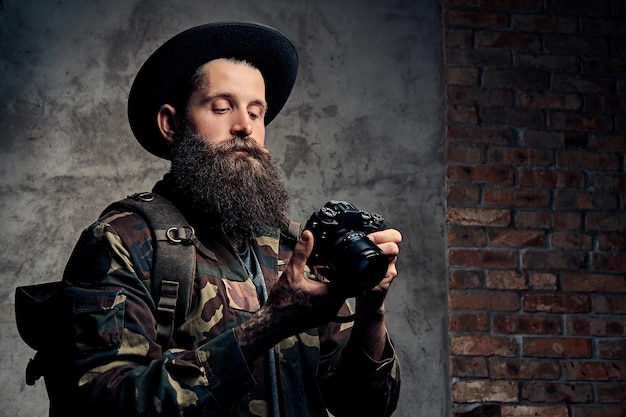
[353, 384]
[120, 369]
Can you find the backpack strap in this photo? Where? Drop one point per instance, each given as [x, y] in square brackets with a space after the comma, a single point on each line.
[174, 259]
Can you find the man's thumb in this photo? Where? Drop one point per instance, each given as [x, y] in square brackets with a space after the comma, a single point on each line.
[303, 248]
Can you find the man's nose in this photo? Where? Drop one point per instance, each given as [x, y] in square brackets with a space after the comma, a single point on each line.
[242, 125]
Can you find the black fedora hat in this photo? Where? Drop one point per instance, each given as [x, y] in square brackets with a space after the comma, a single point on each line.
[173, 63]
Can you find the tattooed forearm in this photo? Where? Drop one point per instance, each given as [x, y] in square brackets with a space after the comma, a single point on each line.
[288, 311]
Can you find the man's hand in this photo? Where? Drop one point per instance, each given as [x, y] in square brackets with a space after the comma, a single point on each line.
[298, 301]
[372, 302]
[369, 332]
[295, 303]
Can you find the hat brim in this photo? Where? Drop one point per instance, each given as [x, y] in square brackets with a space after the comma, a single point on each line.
[174, 62]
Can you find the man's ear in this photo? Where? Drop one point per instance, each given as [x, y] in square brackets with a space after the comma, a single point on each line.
[168, 122]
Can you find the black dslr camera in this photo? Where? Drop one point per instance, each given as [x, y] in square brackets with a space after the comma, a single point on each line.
[350, 260]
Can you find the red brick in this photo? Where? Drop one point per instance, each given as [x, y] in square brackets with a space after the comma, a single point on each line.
[606, 262]
[551, 178]
[509, 368]
[461, 76]
[556, 303]
[513, 5]
[492, 58]
[605, 104]
[550, 63]
[483, 300]
[517, 197]
[603, 410]
[556, 347]
[606, 66]
[568, 44]
[462, 154]
[479, 217]
[526, 324]
[540, 139]
[552, 392]
[469, 322]
[505, 280]
[516, 238]
[588, 160]
[568, 220]
[609, 304]
[526, 219]
[605, 25]
[468, 366]
[553, 259]
[521, 157]
[466, 237]
[516, 117]
[594, 326]
[614, 392]
[591, 282]
[544, 23]
[570, 83]
[475, 19]
[458, 37]
[547, 100]
[567, 199]
[482, 345]
[463, 195]
[580, 7]
[543, 281]
[609, 143]
[507, 78]
[611, 348]
[607, 182]
[509, 40]
[594, 371]
[571, 240]
[461, 279]
[483, 258]
[458, 114]
[606, 222]
[535, 411]
[579, 122]
[478, 135]
[480, 174]
[477, 391]
[478, 95]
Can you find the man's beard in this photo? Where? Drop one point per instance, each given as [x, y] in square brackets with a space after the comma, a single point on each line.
[233, 185]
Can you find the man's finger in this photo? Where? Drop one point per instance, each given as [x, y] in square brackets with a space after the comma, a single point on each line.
[387, 235]
[303, 249]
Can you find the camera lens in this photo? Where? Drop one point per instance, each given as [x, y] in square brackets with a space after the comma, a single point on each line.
[358, 263]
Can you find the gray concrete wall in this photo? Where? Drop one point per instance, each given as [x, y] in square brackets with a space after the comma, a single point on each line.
[364, 124]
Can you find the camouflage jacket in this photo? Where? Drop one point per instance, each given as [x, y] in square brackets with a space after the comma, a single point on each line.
[114, 366]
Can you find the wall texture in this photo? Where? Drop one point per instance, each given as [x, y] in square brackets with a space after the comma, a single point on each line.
[536, 199]
[365, 124]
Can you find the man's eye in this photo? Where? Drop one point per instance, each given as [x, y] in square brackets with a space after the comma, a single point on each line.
[254, 116]
[220, 110]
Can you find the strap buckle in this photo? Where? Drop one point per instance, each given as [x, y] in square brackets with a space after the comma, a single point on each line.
[184, 235]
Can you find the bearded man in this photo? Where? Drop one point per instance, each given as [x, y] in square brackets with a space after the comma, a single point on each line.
[259, 339]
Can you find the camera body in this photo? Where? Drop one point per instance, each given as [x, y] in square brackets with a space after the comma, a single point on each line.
[350, 260]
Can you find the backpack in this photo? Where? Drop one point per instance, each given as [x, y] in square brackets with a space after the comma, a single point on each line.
[38, 307]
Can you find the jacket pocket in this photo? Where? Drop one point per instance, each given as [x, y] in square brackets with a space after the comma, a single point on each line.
[97, 318]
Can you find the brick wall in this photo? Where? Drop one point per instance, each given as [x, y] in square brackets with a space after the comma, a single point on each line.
[536, 192]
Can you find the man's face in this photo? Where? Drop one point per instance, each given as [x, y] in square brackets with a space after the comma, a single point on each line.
[229, 101]
[218, 159]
